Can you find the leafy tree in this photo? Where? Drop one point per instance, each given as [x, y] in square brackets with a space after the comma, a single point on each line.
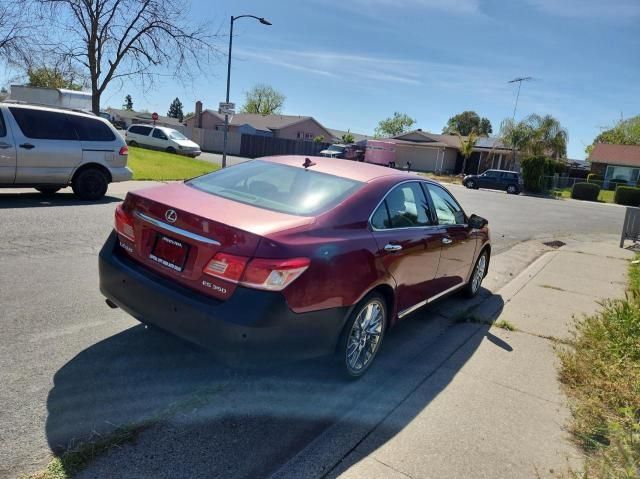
[533, 168]
[128, 103]
[625, 132]
[263, 100]
[396, 125]
[348, 138]
[318, 139]
[118, 39]
[466, 122]
[175, 110]
[466, 147]
[52, 77]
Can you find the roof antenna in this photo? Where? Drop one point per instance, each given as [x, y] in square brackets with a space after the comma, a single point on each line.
[307, 163]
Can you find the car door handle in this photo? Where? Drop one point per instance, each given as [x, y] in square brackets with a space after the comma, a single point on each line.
[447, 241]
[4, 146]
[27, 146]
[392, 247]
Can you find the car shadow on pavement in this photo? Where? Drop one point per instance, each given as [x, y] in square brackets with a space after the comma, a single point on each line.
[208, 419]
[35, 200]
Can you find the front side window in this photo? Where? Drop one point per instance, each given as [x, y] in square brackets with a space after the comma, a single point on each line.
[159, 134]
[447, 209]
[176, 135]
[491, 174]
[43, 125]
[404, 207]
[89, 129]
[282, 188]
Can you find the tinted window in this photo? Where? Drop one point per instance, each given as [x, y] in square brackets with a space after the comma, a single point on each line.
[3, 128]
[44, 125]
[159, 134]
[380, 219]
[511, 176]
[140, 130]
[491, 174]
[287, 189]
[89, 129]
[447, 209]
[407, 206]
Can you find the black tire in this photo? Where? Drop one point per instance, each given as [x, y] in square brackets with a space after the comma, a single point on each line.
[171, 150]
[470, 184]
[472, 288]
[133, 143]
[512, 190]
[48, 190]
[90, 184]
[352, 342]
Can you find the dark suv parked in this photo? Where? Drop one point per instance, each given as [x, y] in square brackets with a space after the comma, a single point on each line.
[508, 181]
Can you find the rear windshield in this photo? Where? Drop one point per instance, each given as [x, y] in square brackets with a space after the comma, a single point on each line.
[277, 187]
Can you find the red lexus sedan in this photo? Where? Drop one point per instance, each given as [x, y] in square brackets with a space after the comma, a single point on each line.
[291, 256]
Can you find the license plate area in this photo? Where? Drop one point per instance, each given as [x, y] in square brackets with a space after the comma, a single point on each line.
[169, 252]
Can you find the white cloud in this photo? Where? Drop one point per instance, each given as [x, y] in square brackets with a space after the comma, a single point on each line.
[589, 8]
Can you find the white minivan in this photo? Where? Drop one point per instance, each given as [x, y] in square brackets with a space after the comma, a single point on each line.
[50, 148]
[161, 138]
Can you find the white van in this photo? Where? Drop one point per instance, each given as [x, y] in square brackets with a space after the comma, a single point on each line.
[161, 138]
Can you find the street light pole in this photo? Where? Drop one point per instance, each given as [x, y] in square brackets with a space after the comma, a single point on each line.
[226, 115]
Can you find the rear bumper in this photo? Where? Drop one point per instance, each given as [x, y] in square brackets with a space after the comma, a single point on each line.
[251, 323]
[120, 174]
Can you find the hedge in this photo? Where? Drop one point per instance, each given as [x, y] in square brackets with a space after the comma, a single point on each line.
[533, 168]
[627, 195]
[585, 191]
[593, 177]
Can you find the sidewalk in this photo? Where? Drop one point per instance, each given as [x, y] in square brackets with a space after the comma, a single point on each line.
[503, 414]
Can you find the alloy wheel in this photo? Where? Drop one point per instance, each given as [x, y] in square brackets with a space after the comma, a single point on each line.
[478, 274]
[365, 336]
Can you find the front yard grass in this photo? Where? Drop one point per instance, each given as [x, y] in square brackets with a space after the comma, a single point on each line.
[601, 371]
[455, 179]
[606, 196]
[162, 166]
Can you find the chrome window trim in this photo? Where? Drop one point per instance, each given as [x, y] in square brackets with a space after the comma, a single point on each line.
[179, 231]
[373, 228]
[419, 305]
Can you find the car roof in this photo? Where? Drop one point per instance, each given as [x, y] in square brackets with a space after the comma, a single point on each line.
[38, 106]
[503, 171]
[353, 170]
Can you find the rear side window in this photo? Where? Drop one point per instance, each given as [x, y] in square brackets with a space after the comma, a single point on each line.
[273, 186]
[404, 207]
[89, 129]
[43, 125]
[140, 130]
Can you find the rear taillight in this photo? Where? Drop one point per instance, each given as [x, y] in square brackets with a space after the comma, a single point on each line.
[124, 151]
[259, 273]
[124, 224]
[226, 266]
[273, 274]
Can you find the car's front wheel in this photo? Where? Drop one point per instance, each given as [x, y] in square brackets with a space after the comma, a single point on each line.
[477, 275]
[90, 184]
[171, 150]
[362, 336]
[133, 143]
[470, 184]
[48, 190]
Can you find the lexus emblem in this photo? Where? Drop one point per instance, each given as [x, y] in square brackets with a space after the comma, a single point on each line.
[171, 216]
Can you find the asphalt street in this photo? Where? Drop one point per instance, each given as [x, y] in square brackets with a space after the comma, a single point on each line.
[70, 367]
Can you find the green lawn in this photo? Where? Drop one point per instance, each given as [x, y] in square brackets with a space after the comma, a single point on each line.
[161, 166]
[606, 196]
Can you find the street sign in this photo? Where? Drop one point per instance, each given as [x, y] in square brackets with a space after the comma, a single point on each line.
[154, 116]
[225, 108]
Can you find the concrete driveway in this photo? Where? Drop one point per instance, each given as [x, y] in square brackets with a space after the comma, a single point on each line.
[71, 368]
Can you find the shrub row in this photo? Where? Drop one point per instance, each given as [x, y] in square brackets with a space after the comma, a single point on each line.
[627, 195]
[585, 191]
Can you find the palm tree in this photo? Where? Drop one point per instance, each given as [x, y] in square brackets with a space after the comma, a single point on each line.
[466, 147]
[549, 137]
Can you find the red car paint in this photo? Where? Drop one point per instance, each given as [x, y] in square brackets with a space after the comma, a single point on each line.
[347, 257]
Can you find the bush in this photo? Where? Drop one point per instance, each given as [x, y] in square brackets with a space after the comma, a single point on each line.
[552, 167]
[627, 195]
[585, 191]
[533, 168]
[593, 177]
[614, 183]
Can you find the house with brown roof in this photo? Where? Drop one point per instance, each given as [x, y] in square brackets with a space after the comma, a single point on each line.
[616, 162]
[291, 127]
[436, 152]
[131, 117]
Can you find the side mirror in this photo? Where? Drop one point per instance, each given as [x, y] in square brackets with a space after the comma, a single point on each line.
[477, 222]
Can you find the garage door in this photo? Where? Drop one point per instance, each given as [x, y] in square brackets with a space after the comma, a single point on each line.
[422, 159]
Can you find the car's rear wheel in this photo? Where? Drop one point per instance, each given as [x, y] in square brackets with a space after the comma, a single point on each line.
[512, 189]
[171, 150]
[48, 190]
[133, 143]
[470, 184]
[90, 184]
[477, 275]
[362, 336]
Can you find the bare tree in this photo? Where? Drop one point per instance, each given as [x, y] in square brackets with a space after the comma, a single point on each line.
[15, 32]
[116, 39]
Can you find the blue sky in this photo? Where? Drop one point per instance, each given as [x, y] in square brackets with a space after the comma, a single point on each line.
[351, 63]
